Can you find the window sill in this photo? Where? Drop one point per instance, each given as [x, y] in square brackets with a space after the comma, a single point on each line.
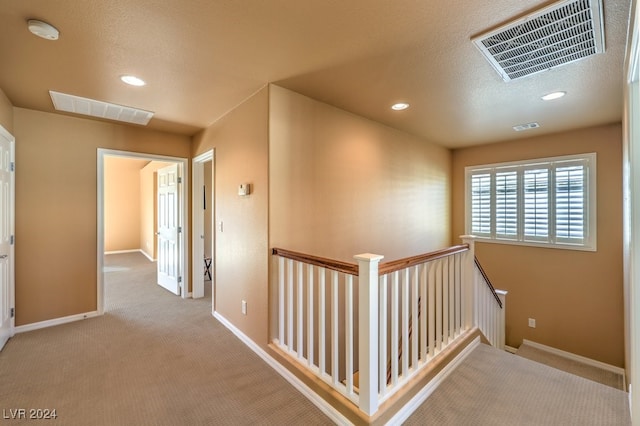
[592, 248]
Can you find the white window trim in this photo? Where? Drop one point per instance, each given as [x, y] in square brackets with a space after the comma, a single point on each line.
[590, 242]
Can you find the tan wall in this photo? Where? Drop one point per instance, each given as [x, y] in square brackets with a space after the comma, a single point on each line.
[341, 185]
[148, 207]
[122, 203]
[56, 216]
[6, 112]
[241, 261]
[576, 297]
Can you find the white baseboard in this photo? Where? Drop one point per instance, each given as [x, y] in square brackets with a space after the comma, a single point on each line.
[151, 259]
[510, 349]
[326, 408]
[122, 251]
[425, 392]
[575, 357]
[54, 322]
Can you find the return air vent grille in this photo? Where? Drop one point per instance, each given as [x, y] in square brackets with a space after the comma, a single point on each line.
[556, 35]
[78, 105]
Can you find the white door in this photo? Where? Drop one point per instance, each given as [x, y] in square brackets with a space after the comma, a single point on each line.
[168, 229]
[7, 186]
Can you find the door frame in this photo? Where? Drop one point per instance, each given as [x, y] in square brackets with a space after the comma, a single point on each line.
[631, 211]
[198, 224]
[183, 200]
[12, 224]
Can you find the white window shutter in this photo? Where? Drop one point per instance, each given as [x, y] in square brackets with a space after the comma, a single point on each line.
[507, 204]
[481, 204]
[570, 203]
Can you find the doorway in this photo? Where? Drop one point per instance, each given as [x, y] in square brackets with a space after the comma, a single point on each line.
[203, 210]
[180, 263]
[7, 223]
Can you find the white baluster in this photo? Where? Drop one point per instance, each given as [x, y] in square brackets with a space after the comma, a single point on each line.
[432, 308]
[300, 310]
[382, 327]
[334, 328]
[310, 306]
[395, 304]
[424, 313]
[290, 304]
[458, 260]
[438, 305]
[415, 320]
[405, 323]
[452, 297]
[281, 308]
[322, 343]
[445, 301]
[348, 301]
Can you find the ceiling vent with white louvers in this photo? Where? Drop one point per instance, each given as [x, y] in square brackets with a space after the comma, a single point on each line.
[78, 105]
[556, 35]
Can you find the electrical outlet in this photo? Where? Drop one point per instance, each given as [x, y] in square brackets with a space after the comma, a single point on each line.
[532, 322]
[244, 307]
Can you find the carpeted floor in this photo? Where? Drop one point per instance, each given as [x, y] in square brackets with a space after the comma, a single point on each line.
[493, 387]
[152, 359]
[156, 359]
[587, 371]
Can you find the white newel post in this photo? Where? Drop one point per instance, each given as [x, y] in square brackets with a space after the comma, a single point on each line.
[469, 282]
[368, 330]
[502, 294]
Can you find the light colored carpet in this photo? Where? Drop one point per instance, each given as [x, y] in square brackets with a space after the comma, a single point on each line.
[156, 359]
[152, 359]
[590, 372]
[493, 387]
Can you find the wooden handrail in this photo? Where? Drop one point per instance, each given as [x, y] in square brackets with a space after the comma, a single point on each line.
[384, 268]
[486, 279]
[334, 265]
[397, 265]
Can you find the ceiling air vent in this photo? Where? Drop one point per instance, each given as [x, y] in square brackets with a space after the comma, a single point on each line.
[556, 35]
[78, 105]
[528, 126]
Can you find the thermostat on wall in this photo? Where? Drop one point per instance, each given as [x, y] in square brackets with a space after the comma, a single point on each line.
[244, 189]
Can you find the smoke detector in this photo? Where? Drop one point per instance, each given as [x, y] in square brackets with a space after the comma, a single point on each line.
[42, 29]
[564, 32]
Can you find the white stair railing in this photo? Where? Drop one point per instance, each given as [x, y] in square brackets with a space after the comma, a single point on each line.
[490, 308]
[316, 316]
[406, 311]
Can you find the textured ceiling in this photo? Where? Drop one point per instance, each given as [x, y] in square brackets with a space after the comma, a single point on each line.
[201, 58]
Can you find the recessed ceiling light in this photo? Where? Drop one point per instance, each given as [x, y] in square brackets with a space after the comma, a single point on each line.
[552, 96]
[399, 106]
[42, 29]
[132, 80]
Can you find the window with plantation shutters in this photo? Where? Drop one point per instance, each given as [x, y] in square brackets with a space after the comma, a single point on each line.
[542, 202]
